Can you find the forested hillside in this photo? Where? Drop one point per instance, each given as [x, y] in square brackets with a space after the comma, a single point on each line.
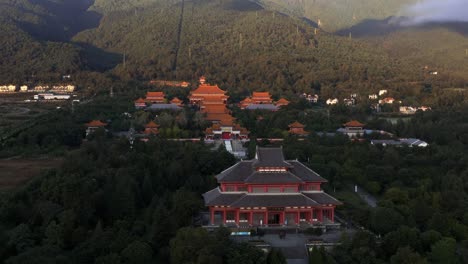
[32, 38]
[236, 43]
[339, 14]
[240, 45]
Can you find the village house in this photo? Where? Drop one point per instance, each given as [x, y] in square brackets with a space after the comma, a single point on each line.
[331, 101]
[24, 88]
[270, 191]
[8, 88]
[41, 88]
[409, 110]
[349, 101]
[387, 100]
[311, 98]
[63, 88]
[297, 129]
[382, 92]
[94, 125]
[373, 96]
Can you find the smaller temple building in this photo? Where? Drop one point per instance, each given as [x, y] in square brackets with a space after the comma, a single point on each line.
[297, 128]
[151, 128]
[270, 191]
[353, 128]
[94, 125]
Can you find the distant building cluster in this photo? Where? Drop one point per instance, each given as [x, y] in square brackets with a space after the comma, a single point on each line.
[182, 84]
[51, 96]
[410, 110]
[60, 88]
[310, 98]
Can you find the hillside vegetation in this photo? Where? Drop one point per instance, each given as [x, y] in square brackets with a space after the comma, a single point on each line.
[339, 14]
[239, 45]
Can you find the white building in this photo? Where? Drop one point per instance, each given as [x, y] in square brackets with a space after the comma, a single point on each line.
[51, 96]
[382, 92]
[373, 96]
[8, 88]
[63, 88]
[388, 100]
[331, 101]
[23, 88]
[41, 88]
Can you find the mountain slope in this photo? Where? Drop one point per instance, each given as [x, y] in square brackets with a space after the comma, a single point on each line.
[237, 44]
[339, 14]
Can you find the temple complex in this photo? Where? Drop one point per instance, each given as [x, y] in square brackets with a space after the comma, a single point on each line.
[212, 102]
[297, 128]
[270, 191]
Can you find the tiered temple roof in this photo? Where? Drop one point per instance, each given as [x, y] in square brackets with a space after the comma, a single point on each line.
[96, 123]
[297, 128]
[354, 123]
[151, 128]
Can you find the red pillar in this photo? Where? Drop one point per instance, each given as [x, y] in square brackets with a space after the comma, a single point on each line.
[320, 215]
[265, 218]
[298, 217]
[237, 216]
[282, 218]
[250, 218]
[332, 215]
[212, 213]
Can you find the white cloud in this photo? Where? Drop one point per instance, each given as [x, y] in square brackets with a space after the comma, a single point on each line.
[437, 11]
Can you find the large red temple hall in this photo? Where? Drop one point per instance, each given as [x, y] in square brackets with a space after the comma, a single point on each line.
[270, 191]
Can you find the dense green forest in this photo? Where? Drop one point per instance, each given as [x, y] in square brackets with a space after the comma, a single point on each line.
[109, 203]
[337, 14]
[236, 43]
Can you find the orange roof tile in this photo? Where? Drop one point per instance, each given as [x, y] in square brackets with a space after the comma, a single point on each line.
[96, 123]
[261, 94]
[151, 124]
[208, 89]
[215, 109]
[354, 123]
[155, 94]
[140, 100]
[176, 100]
[296, 125]
[282, 101]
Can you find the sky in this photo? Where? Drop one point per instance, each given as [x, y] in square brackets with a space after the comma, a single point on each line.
[437, 11]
